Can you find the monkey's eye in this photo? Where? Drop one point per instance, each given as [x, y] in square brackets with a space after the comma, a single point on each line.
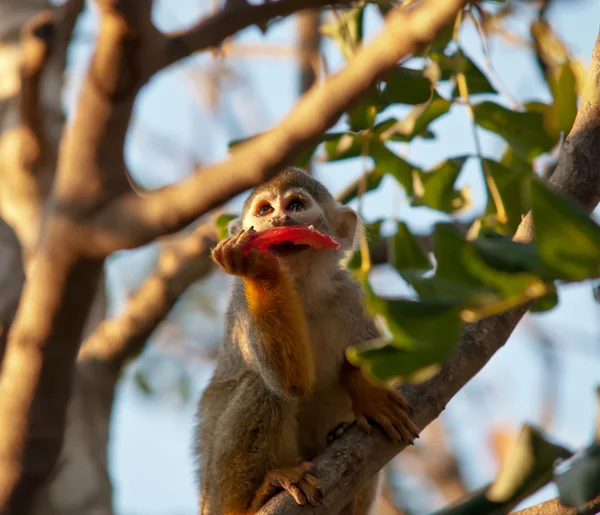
[263, 210]
[296, 205]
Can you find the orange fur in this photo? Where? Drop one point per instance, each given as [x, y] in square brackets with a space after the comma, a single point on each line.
[284, 337]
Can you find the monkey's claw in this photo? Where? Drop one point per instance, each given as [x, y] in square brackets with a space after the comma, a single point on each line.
[388, 409]
[303, 486]
[230, 255]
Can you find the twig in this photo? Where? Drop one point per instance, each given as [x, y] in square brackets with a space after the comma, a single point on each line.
[213, 30]
[183, 261]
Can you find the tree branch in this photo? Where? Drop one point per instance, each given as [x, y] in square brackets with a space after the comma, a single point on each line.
[168, 209]
[21, 147]
[554, 507]
[309, 43]
[184, 260]
[27, 156]
[356, 457]
[213, 30]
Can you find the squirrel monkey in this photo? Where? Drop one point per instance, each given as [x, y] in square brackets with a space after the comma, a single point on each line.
[282, 387]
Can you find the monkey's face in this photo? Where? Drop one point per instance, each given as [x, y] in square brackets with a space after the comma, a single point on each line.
[294, 206]
[291, 207]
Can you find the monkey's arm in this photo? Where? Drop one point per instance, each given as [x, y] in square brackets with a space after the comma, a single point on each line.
[280, 340]
[276, 342]
[386, 406]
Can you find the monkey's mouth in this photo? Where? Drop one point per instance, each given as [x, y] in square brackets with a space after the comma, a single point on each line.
[287, 248]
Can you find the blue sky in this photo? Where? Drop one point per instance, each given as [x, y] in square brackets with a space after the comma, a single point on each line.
[173, 128]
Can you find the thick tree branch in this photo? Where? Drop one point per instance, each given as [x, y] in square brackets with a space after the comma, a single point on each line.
[184, 260]
[554, 507]
[171, 208]
[356, 457]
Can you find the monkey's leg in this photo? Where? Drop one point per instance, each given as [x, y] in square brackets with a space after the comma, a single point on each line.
[255, 450]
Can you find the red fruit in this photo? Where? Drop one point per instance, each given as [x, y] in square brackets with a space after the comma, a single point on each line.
[296, 234]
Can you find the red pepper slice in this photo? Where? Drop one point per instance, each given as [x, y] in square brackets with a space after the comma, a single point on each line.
[296, 234]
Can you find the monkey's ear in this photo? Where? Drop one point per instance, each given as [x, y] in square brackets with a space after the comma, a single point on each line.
[234, 226]
[349, 228]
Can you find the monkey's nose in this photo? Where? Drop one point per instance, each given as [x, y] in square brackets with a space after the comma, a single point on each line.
[285, 221]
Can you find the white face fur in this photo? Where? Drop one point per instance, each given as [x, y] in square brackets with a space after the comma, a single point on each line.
[296, 206]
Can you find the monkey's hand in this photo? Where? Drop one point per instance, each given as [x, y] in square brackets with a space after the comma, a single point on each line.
[298, 481]
[230, 256]
[385, 406]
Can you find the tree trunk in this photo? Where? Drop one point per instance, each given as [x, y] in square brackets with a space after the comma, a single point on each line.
[80, 485]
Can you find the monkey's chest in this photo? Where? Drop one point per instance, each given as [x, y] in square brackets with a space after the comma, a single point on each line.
[328, 404]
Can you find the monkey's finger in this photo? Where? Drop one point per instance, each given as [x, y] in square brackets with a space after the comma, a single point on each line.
[312, 493]
[406, 428]
[297, 494]
[407, 436]
[234, 239]
[403, 417]
[407, 422]
[399, 399]
[238, 259]
[313, 481]
[245, 237]
[363, 424]
[228, 259]
[389, 429]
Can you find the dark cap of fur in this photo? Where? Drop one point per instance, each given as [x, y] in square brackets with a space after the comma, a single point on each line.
[292, 178]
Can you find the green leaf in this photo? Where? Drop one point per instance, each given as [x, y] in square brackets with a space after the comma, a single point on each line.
[452, 281]
[545, 303]
[347, 145]
[512, 185]
[424, 333]
[416, 123]
[523, 131]
[372, 180]
[567, 239]
[388, 162]
[362, 115]
[386, 362]
[511, 257]
[442, 38]
[347, 31]
[458, 62]
[386, 130]
[437, 187]
[407, 86]
[450, 245]
[527, 468]
[563, 86]
[406, 251]
[221, 222]
[518, 285]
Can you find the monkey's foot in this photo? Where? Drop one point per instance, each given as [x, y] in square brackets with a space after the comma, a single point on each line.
[388, 408]
[298, 481]
[338, 431]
